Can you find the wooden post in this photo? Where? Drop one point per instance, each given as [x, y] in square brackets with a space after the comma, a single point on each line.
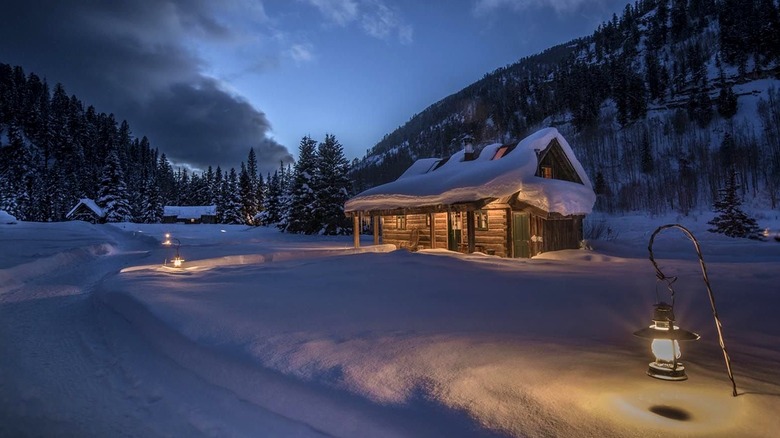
[376, 229]
[433, 229]
[470, 230]
[356, 229]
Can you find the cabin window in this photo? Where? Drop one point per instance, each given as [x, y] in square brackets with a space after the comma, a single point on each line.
[547, 172]
[427, 220]
[481, 219]
[500, 152]
[400, 222]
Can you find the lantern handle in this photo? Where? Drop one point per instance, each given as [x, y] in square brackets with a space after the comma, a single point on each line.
[671, 280]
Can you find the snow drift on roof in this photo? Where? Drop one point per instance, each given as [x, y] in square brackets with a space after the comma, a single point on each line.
[484, 178]
[90, 204]
[190, 212]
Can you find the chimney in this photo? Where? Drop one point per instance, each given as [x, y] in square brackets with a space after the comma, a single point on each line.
[469, 152]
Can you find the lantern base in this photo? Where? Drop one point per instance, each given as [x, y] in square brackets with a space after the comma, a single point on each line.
[666, 372]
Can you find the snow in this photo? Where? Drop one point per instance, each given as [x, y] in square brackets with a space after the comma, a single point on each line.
[190, 212]
[268, 334]
[90, 204]
[464, 181]
[6, 218]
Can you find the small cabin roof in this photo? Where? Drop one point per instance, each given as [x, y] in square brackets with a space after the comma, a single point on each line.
[489, 176]
[90, 204]
[189, 212]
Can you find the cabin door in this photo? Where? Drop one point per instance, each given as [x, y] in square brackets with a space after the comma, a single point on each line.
[454, 226]
[521, 232]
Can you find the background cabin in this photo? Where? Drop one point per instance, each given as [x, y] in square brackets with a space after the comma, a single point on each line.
[514, 200]
[199, 214]
[87, 210]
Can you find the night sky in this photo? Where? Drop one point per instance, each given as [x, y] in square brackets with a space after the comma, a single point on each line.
[205, 80]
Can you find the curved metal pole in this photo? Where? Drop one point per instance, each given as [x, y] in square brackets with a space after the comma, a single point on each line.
[718, 325]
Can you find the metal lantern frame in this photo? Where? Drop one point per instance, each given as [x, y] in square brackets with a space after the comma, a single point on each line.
[663, 319]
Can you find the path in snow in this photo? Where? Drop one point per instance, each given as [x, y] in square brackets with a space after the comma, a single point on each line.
[72, 366]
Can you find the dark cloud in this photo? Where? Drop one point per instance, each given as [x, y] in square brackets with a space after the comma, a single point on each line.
[137, 60]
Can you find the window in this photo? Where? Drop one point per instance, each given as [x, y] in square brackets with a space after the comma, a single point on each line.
[428, 220]
[547, 172]
[400, 222]
[481, 219]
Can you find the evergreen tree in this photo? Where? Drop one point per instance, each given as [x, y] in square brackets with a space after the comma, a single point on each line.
[271, 207]
[731, 220]
[232, 195]
[112, 195]
[248, 196]
[333, 187]
[303, 198]
[727, 102]
[152, 203]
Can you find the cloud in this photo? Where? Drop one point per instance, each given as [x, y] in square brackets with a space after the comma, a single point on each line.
[141, 61]
[486, 7]
[301, 52]
[341, 12]
[374, 17]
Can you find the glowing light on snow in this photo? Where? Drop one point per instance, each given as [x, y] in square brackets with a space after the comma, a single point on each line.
[665, 345]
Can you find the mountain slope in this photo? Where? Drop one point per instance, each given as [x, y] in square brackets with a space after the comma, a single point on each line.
[658, 103]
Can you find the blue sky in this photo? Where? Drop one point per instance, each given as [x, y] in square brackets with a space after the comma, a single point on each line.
[206, 80]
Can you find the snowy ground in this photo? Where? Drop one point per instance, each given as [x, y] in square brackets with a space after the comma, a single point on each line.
[266, 334]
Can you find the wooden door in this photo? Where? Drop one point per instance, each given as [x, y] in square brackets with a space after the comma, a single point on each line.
[521, 234]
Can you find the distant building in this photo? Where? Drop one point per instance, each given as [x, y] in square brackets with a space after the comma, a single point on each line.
[199, 214]
[87, 210]
[513, 200]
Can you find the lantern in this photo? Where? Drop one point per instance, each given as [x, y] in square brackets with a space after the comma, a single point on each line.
[665, 344]
[167, 241]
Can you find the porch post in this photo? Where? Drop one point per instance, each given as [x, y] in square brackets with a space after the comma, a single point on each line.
[376, 229]
[470, 229]
[356, 229]
[433, 230]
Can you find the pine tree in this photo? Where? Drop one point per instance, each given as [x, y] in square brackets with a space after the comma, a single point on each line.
[152, 203]
[333, 187]
[303, 198]
[112, 194]
[731, 220]
[271, 213]
[232, 197]
[727, 102]
[248, 196]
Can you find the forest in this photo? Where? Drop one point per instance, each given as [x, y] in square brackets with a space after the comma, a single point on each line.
[54, 151]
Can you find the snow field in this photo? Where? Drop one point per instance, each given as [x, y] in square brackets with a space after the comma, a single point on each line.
[287, 335]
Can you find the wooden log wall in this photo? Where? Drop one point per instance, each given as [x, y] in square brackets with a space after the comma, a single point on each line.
[494, 239]
[563, 233]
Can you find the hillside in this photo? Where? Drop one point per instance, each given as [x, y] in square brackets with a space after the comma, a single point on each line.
[660, 104]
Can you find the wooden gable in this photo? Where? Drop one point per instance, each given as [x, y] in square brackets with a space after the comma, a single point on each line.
[554, 164]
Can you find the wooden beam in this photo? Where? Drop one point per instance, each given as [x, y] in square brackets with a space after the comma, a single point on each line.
[375, 219]
[433, 229]
[470, 230]
[356, 230]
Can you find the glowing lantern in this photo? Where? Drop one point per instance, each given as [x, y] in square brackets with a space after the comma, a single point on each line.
[177, 261]
[167, 241]
[665, 344]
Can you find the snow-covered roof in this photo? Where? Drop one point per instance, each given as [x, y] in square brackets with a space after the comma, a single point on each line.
[6, 218]
[190, 212]
[90, 204]
[485, 178]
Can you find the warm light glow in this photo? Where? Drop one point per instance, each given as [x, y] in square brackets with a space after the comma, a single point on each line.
[665, 350]
[167, 240]
[177, 262]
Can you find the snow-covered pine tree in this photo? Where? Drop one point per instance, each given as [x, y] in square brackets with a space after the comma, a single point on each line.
[731, 220]
[285, 184]
[248, 196]
[112, 193]
[270, 214]
[219, 192]
[303, 198]
[333, 187]
[153, 204]
[232, 194]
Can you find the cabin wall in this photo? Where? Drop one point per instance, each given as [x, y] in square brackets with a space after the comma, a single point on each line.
[494, 239]
[563, 233]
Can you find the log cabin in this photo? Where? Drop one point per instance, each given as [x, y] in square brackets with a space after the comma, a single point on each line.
[87, 210]
[509, 200]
